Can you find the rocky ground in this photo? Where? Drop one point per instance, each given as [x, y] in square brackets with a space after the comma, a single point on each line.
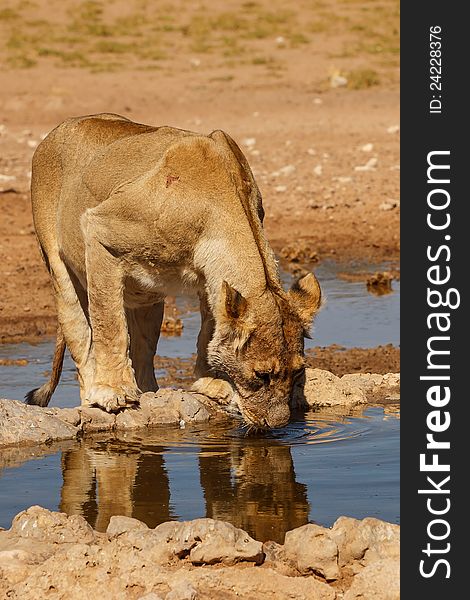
[22, 424]
[50, 555]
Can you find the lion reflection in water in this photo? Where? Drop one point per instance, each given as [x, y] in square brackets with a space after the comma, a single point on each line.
[251, 486]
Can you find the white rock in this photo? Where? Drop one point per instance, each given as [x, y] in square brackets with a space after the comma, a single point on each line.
[395, 168]
[287, 170]
[343, 179]
[195, 62]
[7, 177]
[318, 170]
[390, 205]
[280, 41]
[311, 151]
[280, 188]
[367, 147]
[370, 165]
[338, 81]
[32, 143]
[255, 152]
[318, 101]
[249, 142]
[393, 129]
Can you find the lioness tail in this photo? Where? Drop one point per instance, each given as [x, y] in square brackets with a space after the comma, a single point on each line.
[41, 396]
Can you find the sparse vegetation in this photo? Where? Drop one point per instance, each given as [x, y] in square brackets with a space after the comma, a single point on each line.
[360, 79]
[86, 36]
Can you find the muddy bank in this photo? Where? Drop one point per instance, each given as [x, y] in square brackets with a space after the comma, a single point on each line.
[336, 359]
[51, 554]
[22, 424]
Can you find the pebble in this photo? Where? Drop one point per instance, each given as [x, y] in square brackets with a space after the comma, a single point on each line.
[32, 143]
[393, 129]
[343, 179]
[3, 128]
[388, 205]
[287, 170]
[395, 168]
[318, 170]
[7, 177]
[195, 62]
[249, 142]
[311, 151]
[369, 166]
[367, 147]
[280, 188]
[318, 101]
[280, 41]
[338, 81]
[256, 113]
[254, 152]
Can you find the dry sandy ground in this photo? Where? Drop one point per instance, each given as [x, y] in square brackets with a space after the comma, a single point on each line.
[326, 158]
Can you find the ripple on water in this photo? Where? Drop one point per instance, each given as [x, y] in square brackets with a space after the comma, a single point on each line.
[312, 470]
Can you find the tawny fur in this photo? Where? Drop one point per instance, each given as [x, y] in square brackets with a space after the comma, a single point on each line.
[126, 214]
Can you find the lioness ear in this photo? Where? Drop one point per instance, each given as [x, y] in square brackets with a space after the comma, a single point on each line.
[305, 295]
[235, 303]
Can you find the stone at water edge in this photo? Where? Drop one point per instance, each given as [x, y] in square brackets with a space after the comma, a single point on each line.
[378, 581]
[322, 388]
[313, 551]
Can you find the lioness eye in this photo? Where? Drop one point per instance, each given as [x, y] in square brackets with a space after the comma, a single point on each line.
[264, 376]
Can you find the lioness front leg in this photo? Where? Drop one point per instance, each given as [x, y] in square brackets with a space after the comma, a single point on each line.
[114, 384]
[207, 383]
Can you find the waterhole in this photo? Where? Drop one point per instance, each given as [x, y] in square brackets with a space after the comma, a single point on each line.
[319, 467]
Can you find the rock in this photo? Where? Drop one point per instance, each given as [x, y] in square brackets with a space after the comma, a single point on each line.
[182, 590]
[378, 581]
[380, 283]
[322, 388]
[43, 525]
[118, 525]
[311, 151]
[312, 550]
[393, 129]
[375, 386]
[208, 542]
[318, 170]
[287, 170]
[367, 147]
[249, 142]
[20, 423]
[280, 40]
[280, 188]
[338, 80]
[47, 554]
[389, 205]
[370, 165]
[317, 101]
[365, 541]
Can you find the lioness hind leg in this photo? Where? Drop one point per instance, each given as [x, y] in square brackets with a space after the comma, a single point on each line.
[71, 311]
[144, 330]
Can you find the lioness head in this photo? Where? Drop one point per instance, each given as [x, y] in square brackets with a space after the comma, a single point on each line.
[258, 345]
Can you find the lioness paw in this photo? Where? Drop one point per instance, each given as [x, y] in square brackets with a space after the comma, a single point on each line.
[112, 399]
[217, 389]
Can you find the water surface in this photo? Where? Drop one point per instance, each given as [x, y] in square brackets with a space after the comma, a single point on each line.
[317, 468]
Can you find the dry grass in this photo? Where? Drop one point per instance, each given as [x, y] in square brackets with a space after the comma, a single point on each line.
[107, 34]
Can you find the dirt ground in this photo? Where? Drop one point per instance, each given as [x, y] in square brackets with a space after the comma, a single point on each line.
[309, 92]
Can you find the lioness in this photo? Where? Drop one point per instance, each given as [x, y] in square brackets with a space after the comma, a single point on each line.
[127, 213]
